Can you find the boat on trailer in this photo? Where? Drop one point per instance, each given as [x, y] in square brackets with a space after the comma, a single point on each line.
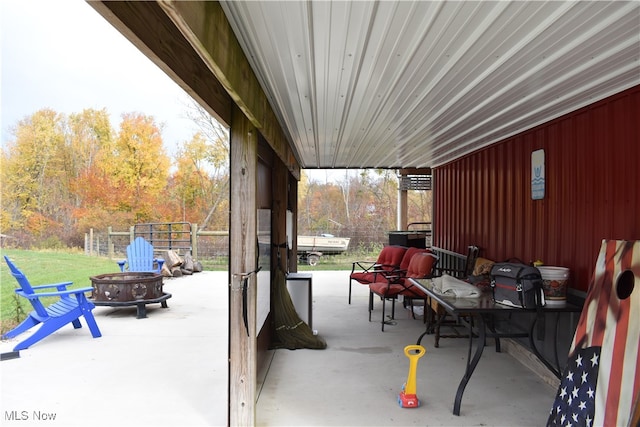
[311, 248]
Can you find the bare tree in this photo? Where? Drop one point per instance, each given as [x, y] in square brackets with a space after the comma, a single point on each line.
[218, 137]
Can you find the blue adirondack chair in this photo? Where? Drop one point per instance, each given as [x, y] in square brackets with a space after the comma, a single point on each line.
[72, 305]
[140, 258]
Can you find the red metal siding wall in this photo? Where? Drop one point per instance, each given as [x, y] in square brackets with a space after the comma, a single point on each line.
[592, 168]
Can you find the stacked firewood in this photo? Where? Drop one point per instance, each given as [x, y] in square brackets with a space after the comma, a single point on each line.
[177, 266]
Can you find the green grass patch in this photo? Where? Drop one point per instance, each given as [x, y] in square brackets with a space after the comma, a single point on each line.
[214, 264]
[342, 261]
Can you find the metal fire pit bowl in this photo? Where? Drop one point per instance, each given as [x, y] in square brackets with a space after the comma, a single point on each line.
[129, 288]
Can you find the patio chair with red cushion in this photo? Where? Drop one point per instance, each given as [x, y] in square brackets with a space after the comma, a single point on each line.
[365, 272]
[422, 270]
[388, 287]
[407, 257]
[400, 273]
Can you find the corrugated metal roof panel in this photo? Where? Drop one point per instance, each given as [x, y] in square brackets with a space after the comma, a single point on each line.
[420, 83]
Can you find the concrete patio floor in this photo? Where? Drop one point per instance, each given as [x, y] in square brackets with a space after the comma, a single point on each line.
[170, 369]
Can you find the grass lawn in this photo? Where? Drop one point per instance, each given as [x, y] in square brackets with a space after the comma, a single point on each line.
[41, 268]
[343, 261]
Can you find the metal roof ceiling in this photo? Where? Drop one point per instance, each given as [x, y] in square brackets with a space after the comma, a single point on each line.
[419, 83]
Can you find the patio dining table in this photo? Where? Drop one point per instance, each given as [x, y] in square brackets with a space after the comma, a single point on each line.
[477, 314]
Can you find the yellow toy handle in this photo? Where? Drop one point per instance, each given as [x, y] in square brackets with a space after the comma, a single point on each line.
[413, 352]
[420, 349]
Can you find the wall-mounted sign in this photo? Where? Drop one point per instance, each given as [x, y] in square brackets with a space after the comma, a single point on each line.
[537, 175]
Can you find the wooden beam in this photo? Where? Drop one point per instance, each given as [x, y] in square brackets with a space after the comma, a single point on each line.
[148, 27]
[194, 44]
[279, 216]
[414, 171]
[205, 26]
[242, 259]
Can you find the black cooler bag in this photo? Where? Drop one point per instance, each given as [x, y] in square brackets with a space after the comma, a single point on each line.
[517, 285]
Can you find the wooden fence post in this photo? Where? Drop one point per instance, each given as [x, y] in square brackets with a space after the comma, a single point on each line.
[194, 241]
[110, 242]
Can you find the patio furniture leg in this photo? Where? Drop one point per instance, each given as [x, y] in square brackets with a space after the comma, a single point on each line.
[556, 370]
[142, 310]
[472, 362]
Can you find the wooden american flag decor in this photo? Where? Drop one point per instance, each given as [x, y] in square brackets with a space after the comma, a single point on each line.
[601, 380]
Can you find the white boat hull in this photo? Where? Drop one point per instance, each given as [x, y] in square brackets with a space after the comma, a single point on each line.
[325, 245]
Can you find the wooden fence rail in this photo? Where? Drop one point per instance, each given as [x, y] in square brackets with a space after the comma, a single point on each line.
[180, 237]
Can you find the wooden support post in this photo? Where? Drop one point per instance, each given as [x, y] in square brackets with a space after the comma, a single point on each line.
[402, 210]
[279, 215]
[242, 259]
[293, 206]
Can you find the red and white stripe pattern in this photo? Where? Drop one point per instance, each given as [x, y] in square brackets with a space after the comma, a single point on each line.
[609, 324]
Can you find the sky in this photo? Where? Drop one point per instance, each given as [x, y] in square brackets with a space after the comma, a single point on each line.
[65, 56]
